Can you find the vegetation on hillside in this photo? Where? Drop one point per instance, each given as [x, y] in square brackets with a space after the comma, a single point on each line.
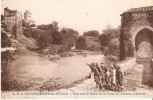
[110, 41]
[81, 43]
[93, 33]
[62, 40]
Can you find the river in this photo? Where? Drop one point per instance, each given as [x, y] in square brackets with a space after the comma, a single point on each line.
[68, 69]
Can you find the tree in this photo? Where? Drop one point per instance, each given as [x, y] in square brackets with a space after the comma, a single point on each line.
[81, 43]
[32, 25]
[93, 33]
[110, 40]
[2, 22]
[104, 39]
[2, 18]
[25, 24]
[55, 26]
[108, 34]
[5, 41]
[45, 27]
[69, 37]
[56, 35]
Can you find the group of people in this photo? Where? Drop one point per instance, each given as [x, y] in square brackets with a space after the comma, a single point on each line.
[107, 77]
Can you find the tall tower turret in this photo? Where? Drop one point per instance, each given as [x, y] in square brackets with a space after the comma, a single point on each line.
[27, 15]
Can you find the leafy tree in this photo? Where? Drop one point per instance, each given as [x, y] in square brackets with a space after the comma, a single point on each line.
[110, 40]
[2, 18]
[5, 41]
[55, 26]
[32, 25]
[56, 35]
[45, 27]
[81, 43]
[69, 37]
[108, 34]
[25, 24]
[2, 22]
[45, 40]
[93, 33]
[104, 39]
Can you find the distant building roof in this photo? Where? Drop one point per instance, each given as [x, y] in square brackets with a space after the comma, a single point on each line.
[140, 9]
[10, 12]
[26, 11]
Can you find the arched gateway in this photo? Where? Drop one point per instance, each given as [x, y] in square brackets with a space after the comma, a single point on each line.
[136, 38]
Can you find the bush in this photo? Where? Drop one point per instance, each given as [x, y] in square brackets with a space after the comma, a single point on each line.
[93, 33]
[5, 41]
[64, 49]
[53, 49]
[112, 59]
[54, 57]
[81, 43]
[7, 30]
[66, 54]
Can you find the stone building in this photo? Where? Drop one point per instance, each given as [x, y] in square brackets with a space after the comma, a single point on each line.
[136, 39]
[137, 30]
[27, 15]
[13, 22]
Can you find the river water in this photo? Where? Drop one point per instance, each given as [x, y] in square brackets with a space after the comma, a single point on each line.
[69, 69]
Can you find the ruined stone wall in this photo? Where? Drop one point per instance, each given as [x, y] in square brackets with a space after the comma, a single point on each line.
[13, 22]
[19, 26]
[10, 22]
[131, 24]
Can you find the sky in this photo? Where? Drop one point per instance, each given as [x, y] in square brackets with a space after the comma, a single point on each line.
[80, 15]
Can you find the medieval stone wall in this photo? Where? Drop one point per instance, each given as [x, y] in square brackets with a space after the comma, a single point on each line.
[131, 24]
[136, 39]
[13, 22]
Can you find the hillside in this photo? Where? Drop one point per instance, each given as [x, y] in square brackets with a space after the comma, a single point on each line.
[93, 42]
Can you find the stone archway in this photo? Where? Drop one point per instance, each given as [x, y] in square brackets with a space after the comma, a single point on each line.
[134, 34]
[144, 53]
[144, 43]
[137, 28]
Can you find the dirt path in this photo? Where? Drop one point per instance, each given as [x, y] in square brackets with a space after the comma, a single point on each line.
[132, 81]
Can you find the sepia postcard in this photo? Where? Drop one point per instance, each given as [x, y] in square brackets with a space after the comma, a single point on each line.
[76, 49]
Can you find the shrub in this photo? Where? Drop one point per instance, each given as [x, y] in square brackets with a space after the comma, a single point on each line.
[81, 43]
[7, 30]
[93, 33]
[64, 49]
[54, 57]
[66, 54]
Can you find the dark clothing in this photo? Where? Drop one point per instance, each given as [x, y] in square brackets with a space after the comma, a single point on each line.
[119, 77]
[96, 72]
[91, 67]
[104, 68]
[99, 69]
[117, 67]
[119, 83]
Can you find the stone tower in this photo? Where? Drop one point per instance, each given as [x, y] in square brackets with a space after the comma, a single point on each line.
[136, 39]
[13, 22]
[27, 15]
